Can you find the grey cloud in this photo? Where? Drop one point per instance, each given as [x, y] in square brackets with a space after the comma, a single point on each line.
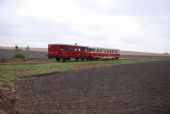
[153, 15]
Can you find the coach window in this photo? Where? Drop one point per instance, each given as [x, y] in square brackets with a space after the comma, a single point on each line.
[75, 49]
[97, 50]
[92, 50]
[79, 49]
[100, 50]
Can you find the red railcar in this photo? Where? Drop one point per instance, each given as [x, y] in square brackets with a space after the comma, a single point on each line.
[66, 52]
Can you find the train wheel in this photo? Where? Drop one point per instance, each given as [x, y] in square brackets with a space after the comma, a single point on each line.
[64, 59]
[57, 59]
[117, 58]
[77, 59]
[90, 59]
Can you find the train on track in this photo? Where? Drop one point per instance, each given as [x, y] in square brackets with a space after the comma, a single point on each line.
[67, 52]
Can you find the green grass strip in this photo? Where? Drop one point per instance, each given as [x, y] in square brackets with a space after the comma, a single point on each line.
[16, 71]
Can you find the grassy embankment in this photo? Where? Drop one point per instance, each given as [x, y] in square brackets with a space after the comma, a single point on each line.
[16, 71]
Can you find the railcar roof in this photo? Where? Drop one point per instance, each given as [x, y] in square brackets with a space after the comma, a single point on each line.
[67, 45]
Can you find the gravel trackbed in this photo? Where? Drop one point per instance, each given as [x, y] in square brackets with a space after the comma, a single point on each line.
[141, 88]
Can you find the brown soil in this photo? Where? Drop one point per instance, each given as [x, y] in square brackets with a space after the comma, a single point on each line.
[8, 99]
[142, 88]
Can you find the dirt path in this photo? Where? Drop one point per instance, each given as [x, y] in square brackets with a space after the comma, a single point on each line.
[142, 88]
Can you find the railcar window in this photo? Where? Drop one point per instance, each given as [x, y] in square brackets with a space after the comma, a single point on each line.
[86, 50]
[95, 50]
[71, 49]
[75, 49]
[100, 50]
[82, 49]
[79, 49]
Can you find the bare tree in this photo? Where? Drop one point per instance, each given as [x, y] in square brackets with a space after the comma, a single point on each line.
[16, 48]
[28, 51]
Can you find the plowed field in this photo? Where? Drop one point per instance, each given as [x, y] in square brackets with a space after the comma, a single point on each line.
[140, 88]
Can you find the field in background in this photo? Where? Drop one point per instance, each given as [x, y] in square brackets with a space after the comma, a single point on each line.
[7, 52]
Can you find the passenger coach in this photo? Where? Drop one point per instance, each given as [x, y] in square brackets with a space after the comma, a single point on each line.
[66, 52]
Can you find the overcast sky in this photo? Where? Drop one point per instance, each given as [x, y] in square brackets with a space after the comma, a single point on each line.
[136, 25]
